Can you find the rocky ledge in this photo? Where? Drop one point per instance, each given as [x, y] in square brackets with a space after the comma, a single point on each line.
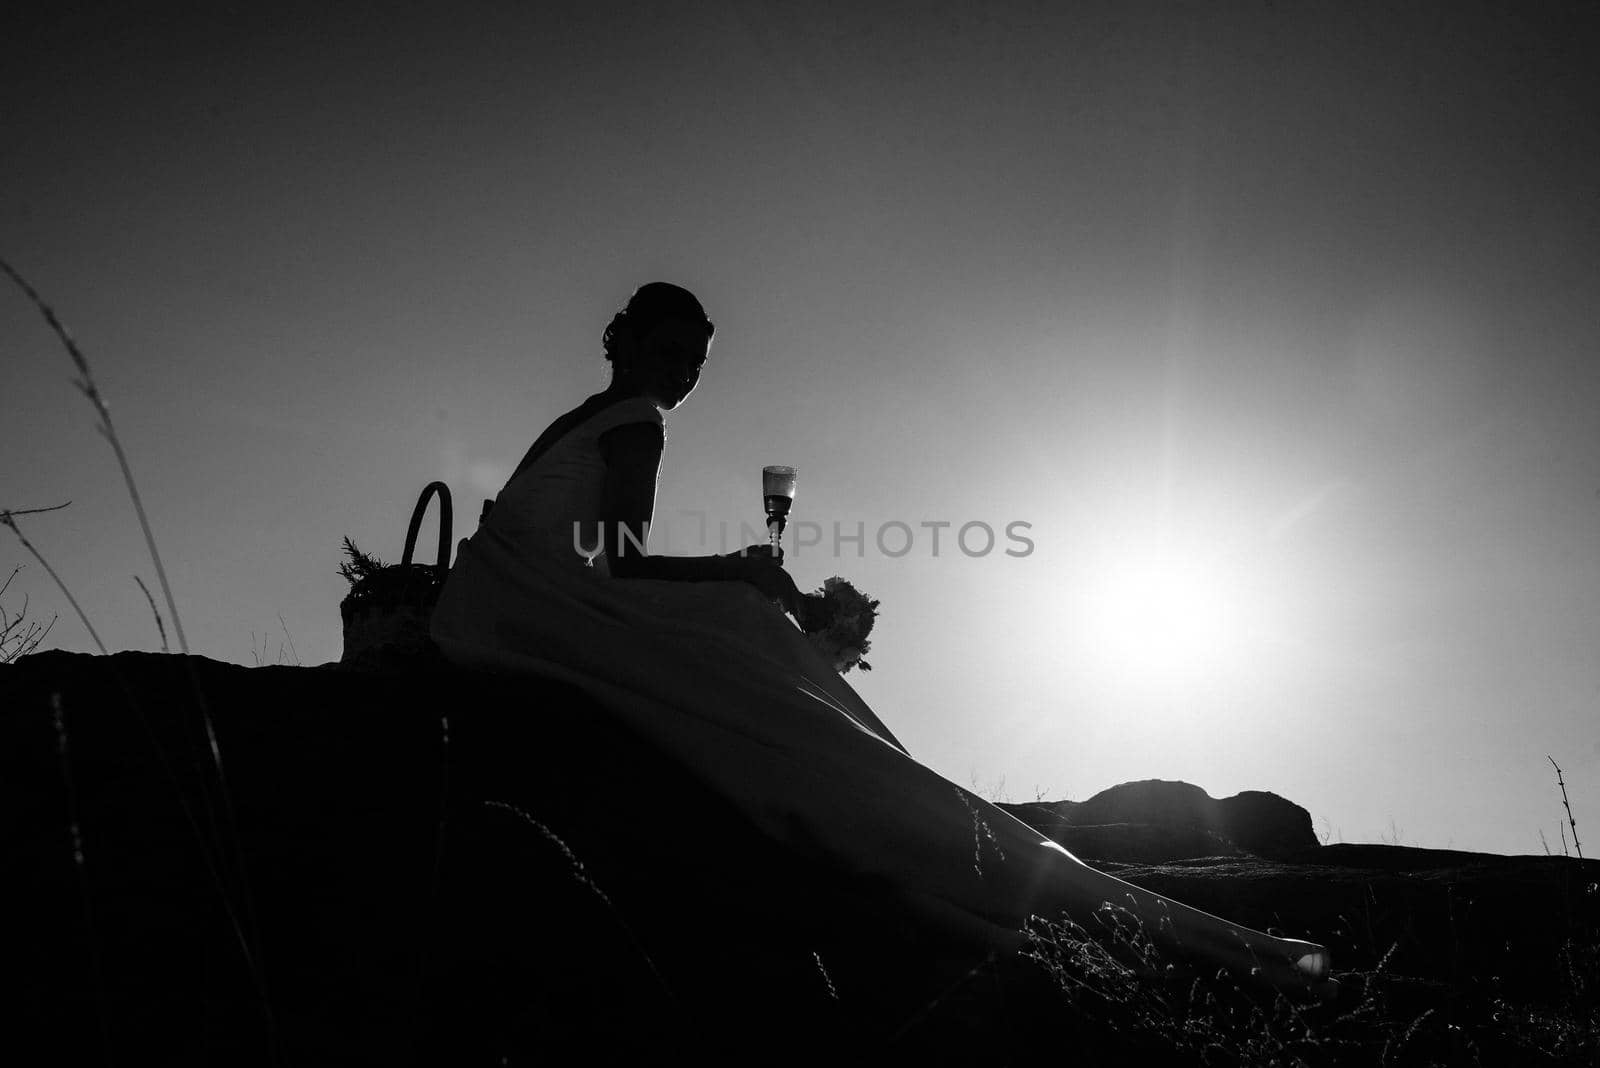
[217, 864]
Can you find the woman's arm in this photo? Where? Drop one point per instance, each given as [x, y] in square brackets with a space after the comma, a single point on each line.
[633, 461]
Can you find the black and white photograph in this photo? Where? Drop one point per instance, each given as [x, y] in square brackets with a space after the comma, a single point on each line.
[745, 533]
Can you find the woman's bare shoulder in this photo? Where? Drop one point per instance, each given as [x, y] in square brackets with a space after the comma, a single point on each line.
[635, 440]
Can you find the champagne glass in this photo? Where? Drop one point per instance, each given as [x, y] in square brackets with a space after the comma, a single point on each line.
[777, 488]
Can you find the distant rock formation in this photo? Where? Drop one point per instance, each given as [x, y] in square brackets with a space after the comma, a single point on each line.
[1157, 820]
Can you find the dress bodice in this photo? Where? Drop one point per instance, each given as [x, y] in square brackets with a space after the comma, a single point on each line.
[538, 509]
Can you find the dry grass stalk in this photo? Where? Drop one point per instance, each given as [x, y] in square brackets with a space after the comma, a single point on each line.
[16, 643]
[86, 385]
[8, 518]
[286, 634]
[227, 846]
[1567, 805]
[152, 600]
[580, 874]
[79, 861]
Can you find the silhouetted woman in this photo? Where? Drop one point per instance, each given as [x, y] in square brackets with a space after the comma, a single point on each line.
[699, 655]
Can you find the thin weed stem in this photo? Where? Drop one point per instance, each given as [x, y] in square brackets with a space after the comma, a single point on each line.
[917, 1018]
[161, 629]
[286, 634]
[211, 852]
[86, 385]
[9, 519]
[16, 644]
[581, 875]
[249, 936]
[1567, 805]
[80, 863]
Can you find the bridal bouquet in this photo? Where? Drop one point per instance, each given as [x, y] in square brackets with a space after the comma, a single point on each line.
[838, 618]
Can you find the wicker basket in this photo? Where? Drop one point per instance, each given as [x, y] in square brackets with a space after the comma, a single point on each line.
[386, 614]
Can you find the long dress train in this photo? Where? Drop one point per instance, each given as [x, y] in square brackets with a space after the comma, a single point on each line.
[720, 678]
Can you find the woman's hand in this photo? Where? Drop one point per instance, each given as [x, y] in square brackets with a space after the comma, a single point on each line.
[760, 566]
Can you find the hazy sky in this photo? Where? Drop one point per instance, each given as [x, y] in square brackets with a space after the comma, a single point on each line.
[1273, 321]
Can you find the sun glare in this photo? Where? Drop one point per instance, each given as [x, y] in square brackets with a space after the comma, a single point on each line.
[1163, 612]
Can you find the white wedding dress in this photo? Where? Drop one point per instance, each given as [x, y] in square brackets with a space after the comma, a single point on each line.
[717, 676]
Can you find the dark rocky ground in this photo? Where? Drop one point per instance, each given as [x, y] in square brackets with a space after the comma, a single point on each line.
[417, 866]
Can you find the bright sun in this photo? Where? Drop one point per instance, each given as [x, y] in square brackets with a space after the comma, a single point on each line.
[1159, 613]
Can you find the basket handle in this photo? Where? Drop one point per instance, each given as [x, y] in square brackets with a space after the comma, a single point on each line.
[444, 525]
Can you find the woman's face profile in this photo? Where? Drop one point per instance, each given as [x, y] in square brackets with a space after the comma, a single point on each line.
[670, 357]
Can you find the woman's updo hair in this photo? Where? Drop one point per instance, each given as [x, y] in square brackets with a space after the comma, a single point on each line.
[650, 304]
